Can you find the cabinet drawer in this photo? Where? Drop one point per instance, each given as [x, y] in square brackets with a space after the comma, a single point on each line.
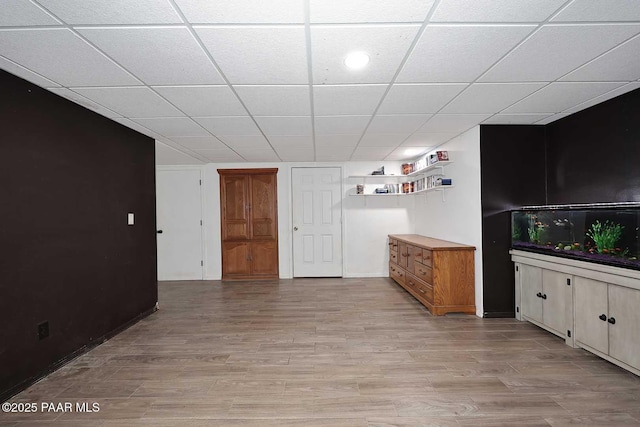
[396, 273]
[423, 272]
[417, 253]
[423, 289]
[393, 245]
[427, 257]
[393, 256]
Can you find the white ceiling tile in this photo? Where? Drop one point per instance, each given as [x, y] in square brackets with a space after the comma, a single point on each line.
[515, 119]
[81, 100]
[258, 55]
[130, 101]
[600, 10]
[297, 155]
[199, 142]
[331, 125]
[597, 100]
[452, 123]
[391, 140]
[241, 125]
[347, 100]
[287, 125]
[385, 45]
[407, 153]
[24, 13]
[490, 97]
[428, 139]
[337, 141]
[332, 156]
[25, 73]
[245, 141]
[203, 100]
[76, 12]
[418, 98]
[552, 118]
[172, 126]
[615, 65]
[291, 142]
[275, 100]
[554, 50]
[60, 55]
[253, 155]
[220, 155]
[495, 10]
[559, 96]
[243, 11]
[158, 56]
[138, 127]
[405, 124]
[366, 11]
[371, 153]
[166, 155]
[457, 53]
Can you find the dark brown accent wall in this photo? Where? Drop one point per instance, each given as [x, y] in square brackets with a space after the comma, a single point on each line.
[592, 156]
[512, 168]
[68, 178]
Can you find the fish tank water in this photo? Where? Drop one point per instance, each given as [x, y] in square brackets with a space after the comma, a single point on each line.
[603, 233]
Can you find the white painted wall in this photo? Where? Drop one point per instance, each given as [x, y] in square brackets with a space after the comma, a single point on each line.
[459, 217]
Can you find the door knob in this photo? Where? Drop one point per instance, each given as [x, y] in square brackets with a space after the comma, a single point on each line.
[159, 231]
[602, 317]
[612, 320]
[295, 228]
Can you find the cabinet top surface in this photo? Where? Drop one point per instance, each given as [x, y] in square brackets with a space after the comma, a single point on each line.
[430, 243]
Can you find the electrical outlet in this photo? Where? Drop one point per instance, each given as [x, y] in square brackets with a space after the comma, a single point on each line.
[43, 330]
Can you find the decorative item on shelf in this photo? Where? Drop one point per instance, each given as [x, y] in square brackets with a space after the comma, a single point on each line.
[420, 164]
[419, 184]
[379, 171]
[438, 156]
[407, 168]
[392, 188]
[382, 190]
[359, 189]
[443, 181]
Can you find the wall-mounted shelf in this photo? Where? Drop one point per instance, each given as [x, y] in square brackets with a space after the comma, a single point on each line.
[441, 188]
[434, 167]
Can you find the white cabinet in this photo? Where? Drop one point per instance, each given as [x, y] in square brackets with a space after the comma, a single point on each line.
[608, 321]
[593, 306]
[544, 299]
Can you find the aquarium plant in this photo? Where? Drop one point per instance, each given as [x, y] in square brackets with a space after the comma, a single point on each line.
[535, 232]
[605, 235]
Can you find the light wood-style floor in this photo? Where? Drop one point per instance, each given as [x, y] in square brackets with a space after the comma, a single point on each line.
[330, 353]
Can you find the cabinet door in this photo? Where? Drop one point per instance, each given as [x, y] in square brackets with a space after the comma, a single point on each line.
[624, 334]
[531, 286]
[402, 254]
[554, 286]
[263, 207]
[234, 199]
[264, 258]
[411, 256]
[590, 302]
[235, 259]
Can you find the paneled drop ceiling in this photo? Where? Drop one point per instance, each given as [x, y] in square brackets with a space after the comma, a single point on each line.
[246, 80]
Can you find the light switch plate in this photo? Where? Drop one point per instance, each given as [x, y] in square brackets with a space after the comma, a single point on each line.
[130, 218]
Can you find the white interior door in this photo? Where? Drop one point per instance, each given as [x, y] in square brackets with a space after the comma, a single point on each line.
[317, 222]
[179, 217]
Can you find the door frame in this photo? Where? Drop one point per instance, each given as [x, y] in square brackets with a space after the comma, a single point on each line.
[203, 245]
[342, 216]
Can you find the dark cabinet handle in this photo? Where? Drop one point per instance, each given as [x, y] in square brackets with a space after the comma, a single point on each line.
[612, 320]
[539, 294]
[603, 317]
[159, 231]
[544, 296]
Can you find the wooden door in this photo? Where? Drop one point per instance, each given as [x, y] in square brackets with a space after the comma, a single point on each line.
[234, 203]
[553, 302]
[236, 260]
[531, 286]
[624, 344]
[264, 258]
[590, 302]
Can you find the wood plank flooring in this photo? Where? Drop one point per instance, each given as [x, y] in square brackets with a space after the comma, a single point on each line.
[330, 353]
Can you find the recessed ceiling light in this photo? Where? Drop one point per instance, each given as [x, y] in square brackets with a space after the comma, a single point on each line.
[356, 60]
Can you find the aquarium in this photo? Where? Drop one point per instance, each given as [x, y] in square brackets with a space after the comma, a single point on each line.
[604, 234]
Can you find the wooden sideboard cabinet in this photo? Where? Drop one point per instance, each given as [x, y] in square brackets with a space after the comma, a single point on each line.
[437, 273]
